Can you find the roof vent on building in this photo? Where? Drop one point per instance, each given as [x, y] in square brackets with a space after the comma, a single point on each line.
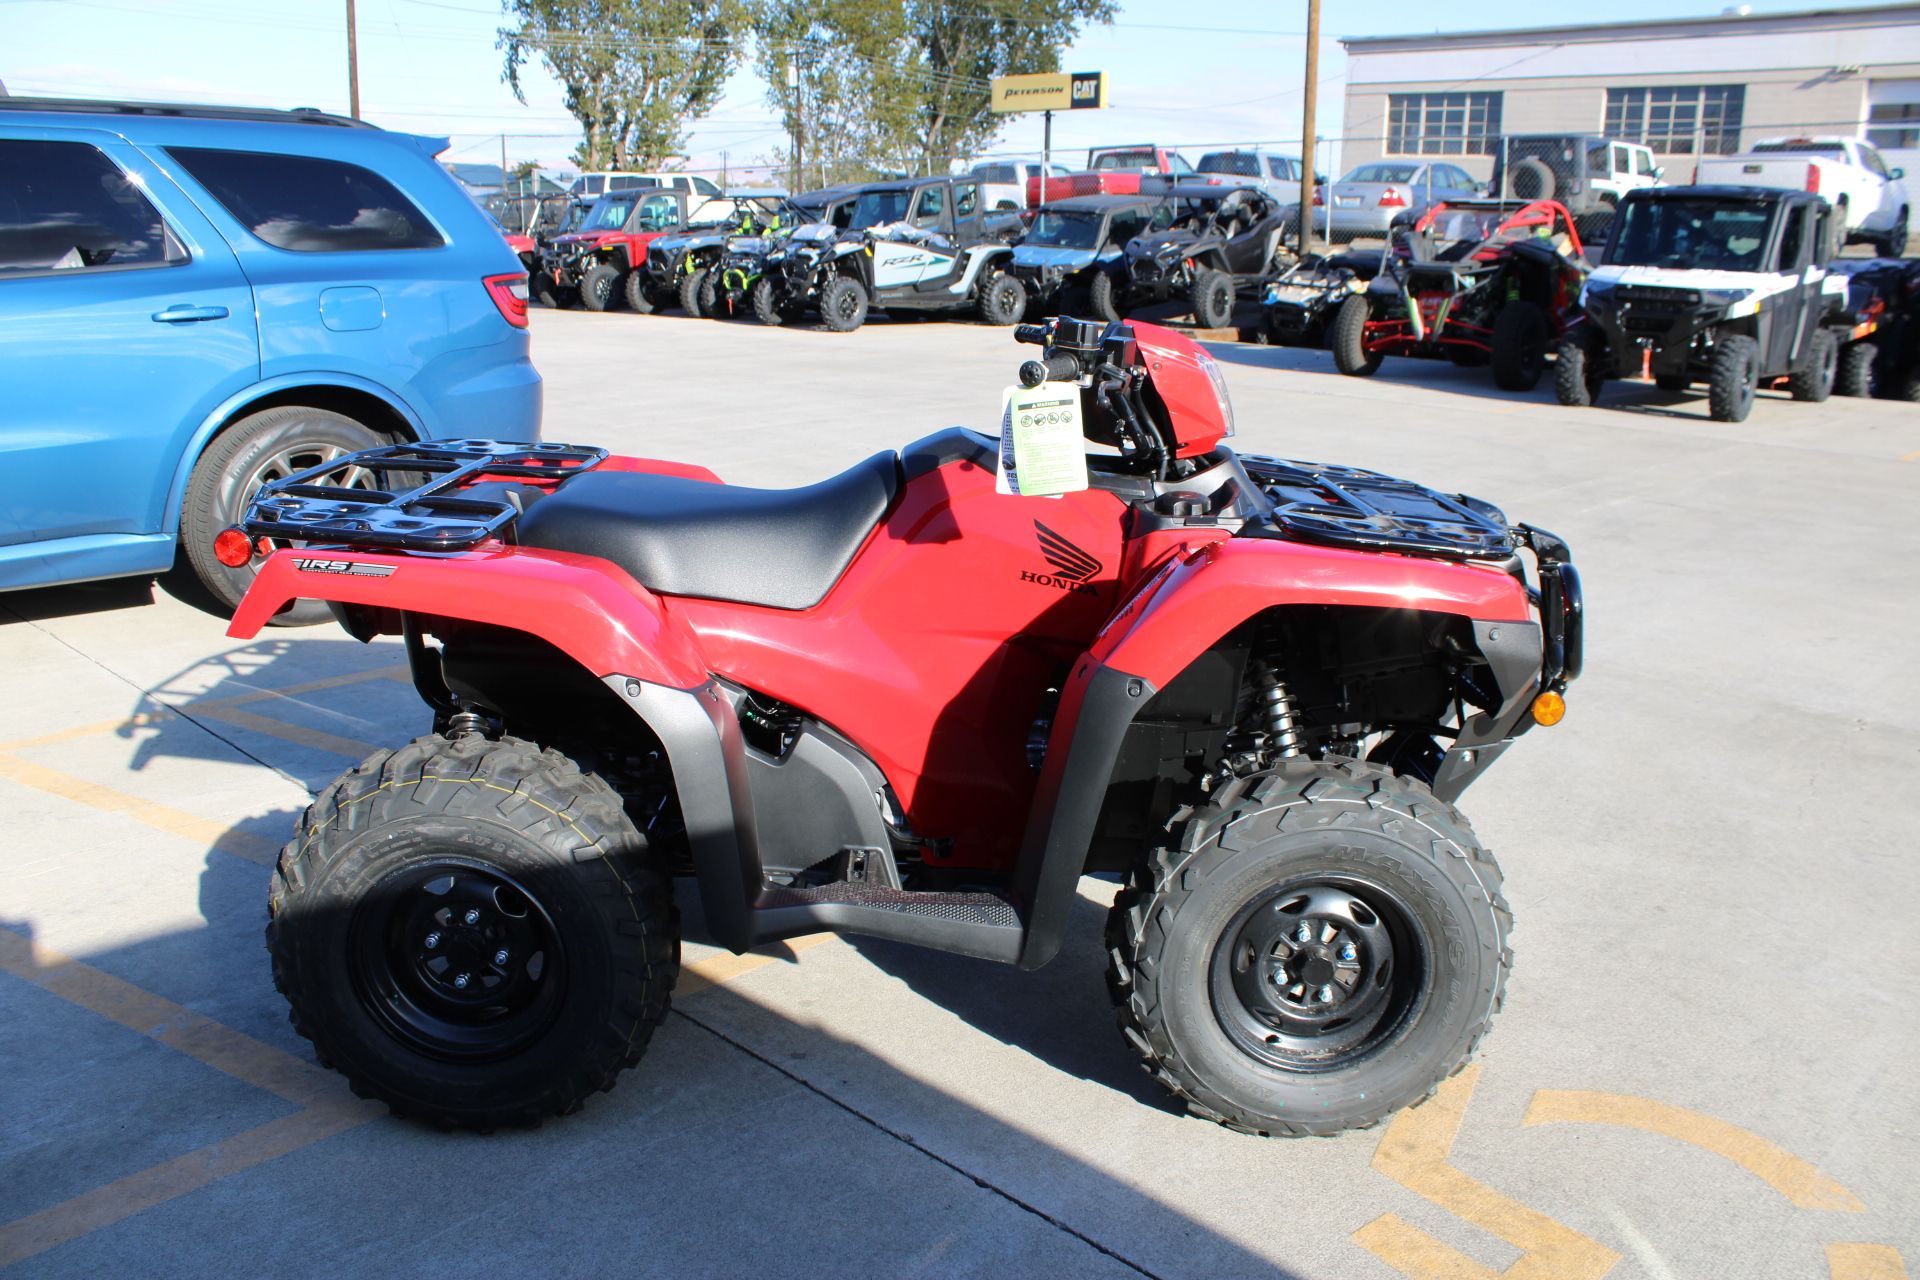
[1737, 11]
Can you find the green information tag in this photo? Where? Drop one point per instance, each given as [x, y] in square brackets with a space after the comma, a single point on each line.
[1042, 449]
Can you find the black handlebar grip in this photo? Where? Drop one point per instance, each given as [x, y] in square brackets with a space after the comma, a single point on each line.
[1034, 333]
[1055, 368]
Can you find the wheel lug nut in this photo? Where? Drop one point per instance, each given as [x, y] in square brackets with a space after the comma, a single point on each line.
[1304, 933]
[472, 916]
[1326, 995]
[500, 956]
[433, 939]
[460, 981]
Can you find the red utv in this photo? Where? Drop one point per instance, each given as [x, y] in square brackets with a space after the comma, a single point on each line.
[598, 258]
[898, 702]
[1474, 282]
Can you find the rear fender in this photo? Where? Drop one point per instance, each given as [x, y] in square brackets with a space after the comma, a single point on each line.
[589, 609]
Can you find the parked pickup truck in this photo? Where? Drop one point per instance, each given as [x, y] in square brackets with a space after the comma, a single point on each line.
[1115, 171]
[1870, 199]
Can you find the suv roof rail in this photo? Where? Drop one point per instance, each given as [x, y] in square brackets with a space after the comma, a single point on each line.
[197, 111]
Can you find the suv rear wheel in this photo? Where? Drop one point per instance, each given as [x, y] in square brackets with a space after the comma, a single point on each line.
[269, 445]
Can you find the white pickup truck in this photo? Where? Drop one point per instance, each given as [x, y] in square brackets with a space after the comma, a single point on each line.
[1870, 199]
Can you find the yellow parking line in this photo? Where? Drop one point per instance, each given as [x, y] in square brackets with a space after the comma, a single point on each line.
[1865, 1262]
[1911, 457]
[318, 740]
[1791, 1176]
[191, 827]
[104, 1206]
[1413, 1252]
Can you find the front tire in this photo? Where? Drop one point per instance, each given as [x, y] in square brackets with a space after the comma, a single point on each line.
[469, 932]
[766, 303]
[1003, 301]
[1814, 383]
[604, 287]
[1579, 369]
[1732, 379]
[843, 304]
[639, 293]
[1349, 340]
[270, 445]
[1102, 298]
[1519, 346]
[1211, 298]
[1315, 948]
[696, 293]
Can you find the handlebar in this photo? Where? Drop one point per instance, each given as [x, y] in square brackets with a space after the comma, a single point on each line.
[1059, 367]
[1037, 334]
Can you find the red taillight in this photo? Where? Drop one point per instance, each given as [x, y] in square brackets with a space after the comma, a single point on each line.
[232, 548]
[1392, 199]
[509, 293]
[1813, 178]
[1318, 197]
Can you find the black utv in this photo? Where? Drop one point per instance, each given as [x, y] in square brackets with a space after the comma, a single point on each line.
[1220, 238]
[1723, 285]
[1071, 242]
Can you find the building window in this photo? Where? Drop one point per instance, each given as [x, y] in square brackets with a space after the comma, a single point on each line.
[1443, 124]
[1894, 126]
[1679, 119]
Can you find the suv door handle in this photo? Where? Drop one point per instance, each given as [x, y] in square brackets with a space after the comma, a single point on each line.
[182, 313]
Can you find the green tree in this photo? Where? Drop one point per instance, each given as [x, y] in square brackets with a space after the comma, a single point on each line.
[634, 71]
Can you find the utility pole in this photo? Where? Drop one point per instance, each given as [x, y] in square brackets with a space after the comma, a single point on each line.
[793, 87]
[353, 66]
[506, 181]
[1307, 138]
[724, 182]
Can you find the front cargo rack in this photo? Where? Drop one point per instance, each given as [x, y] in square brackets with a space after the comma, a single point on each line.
[1348, 507]
[411, 504]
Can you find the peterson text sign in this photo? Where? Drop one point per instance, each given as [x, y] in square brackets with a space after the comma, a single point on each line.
[1058, 91]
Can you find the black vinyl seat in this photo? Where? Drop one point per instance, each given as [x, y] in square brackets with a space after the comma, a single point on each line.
[783, 548]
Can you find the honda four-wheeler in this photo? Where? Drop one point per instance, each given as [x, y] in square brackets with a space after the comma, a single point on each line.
[918, 246]
[1070, 242]
[1471, 281]
[901, 703]
[1882, 352]
[1723, 285]
[683, 266]
[1220, 239]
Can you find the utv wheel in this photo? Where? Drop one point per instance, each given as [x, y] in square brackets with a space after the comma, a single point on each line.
[639, 293]
[270, 445]
[1102, 299]
[604, 287]
[1672, 383]
[843, 304]
[1519, 346]
[1211, 298]
[1316, 947]
[1578, 369]
[1349, 340]
[545, 292]
[1815, 382]
[766, 303]
[468, 931]
[1003, 301]
[1854, 377]
[696, 293]
[1734, 374]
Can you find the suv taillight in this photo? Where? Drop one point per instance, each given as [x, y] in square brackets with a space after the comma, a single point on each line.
[509, 293]
[1813, 178]
[1392, 199]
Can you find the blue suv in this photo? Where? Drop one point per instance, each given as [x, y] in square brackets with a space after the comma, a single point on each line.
[195, 300]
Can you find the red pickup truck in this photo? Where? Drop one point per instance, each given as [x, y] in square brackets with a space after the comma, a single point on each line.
[1112, 171]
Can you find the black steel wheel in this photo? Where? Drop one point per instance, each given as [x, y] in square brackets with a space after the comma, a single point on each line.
[843, 304]
[1314, 948]
[604, 287]
[471, 931]
[270, 445]
[1732, 378]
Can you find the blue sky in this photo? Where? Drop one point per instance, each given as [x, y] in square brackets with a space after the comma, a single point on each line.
[431, 66]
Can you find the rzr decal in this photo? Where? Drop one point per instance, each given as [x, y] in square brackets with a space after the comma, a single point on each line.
[352, 568]
[1073, 568]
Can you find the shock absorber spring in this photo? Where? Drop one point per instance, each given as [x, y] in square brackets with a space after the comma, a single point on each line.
[1280, 715]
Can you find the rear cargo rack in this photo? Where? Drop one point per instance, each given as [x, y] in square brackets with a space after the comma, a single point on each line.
[411, 505]
[1349, 507]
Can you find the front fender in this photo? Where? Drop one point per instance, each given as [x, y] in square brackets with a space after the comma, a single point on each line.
[589, 609]
[1193, 601]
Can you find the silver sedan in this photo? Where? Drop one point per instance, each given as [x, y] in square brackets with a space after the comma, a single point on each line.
[1367, 200]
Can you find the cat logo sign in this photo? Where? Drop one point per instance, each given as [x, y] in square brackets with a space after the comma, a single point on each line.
[1054, 91]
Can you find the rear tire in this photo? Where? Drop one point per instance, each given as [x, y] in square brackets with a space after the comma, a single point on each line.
[454, 853]
[1734, 375]
[843, 304]
[1815, 382]
[696, 293]
[604, 287]
[639, 293]
[1400, 975]
[1003, 301]
[1855, 375]
[1349, 341]
[1519, 346]
[1211, 298]
[1102, 298]
[766, 304]
[1578, 371]
[269, 445]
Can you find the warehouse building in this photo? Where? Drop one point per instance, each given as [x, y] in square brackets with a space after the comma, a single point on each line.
[1683, 86]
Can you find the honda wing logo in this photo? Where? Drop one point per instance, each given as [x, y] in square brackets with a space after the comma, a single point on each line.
[1073, 569]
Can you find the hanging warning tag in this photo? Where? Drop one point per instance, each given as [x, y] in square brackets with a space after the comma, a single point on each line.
[1042, 450]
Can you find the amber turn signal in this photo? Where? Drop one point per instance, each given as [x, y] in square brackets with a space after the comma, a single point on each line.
[1549, 708]
[232, 548]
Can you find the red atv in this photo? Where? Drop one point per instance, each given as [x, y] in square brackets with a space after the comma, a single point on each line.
[902, 704]
[1474, 282]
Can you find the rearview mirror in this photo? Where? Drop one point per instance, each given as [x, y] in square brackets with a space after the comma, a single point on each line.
[1659, 172]
[1899, 173]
